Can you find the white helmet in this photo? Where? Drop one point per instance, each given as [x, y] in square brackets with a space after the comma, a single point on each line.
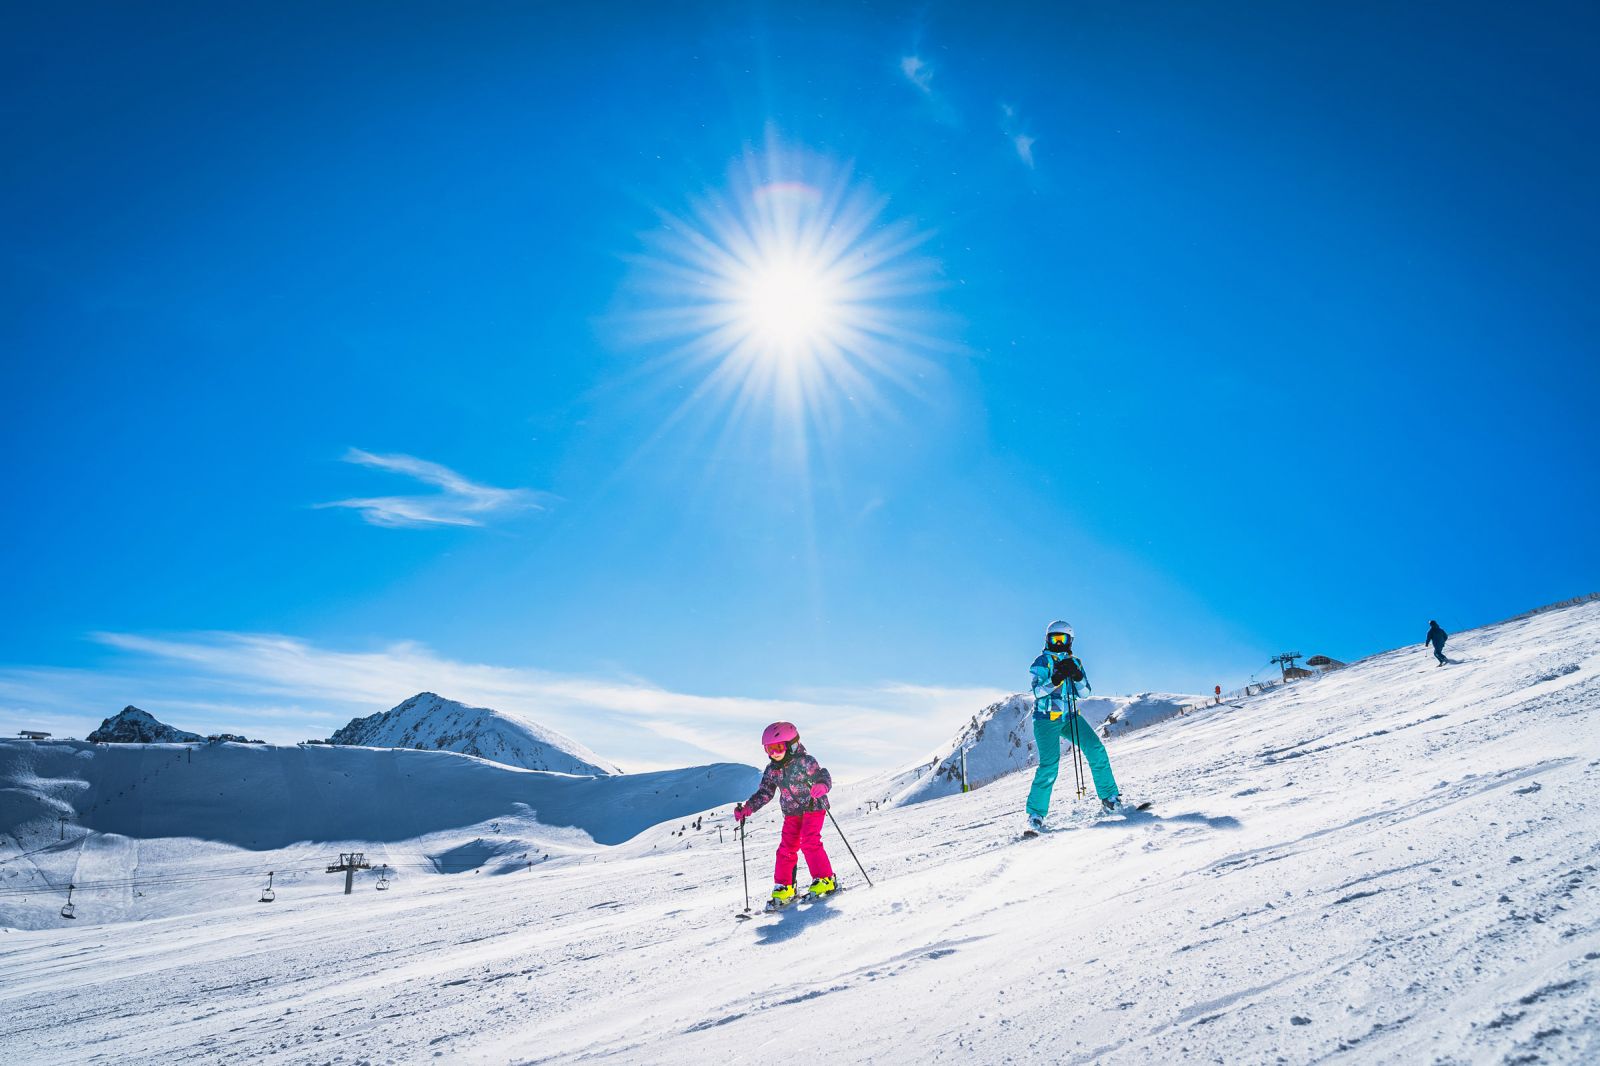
[1058, 627]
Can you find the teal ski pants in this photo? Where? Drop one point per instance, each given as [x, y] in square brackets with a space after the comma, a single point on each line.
[1047, 736]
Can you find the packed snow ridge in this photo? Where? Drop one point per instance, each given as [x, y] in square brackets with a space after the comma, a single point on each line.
[431, 722]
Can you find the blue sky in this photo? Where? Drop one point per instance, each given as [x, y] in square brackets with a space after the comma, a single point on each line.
[352, 352]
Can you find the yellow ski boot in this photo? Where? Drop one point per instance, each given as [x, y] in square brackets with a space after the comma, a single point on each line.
[822, 886]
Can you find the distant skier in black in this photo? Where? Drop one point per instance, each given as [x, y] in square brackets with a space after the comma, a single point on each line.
[1436, 636]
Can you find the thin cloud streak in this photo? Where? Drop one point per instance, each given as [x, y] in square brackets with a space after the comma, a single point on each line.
[460, 501]
[285, 689]
[918, 73]
[1012, 127]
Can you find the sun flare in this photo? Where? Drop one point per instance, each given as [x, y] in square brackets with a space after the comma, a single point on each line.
[787, 290]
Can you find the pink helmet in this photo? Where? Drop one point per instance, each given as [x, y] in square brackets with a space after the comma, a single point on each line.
[779, 733]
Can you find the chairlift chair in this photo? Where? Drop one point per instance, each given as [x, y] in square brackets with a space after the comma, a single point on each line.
[383, 878]
[267, 895]
[70, 909]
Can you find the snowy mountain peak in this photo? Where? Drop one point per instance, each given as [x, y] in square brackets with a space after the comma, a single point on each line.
[133, 726]
[431, 722]
[998, 740]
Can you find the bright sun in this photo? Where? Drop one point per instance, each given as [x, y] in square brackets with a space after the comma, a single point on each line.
[789, 306]
[789, 290]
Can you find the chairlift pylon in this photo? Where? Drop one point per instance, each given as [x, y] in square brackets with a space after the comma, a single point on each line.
[383, 878]
[267, 895]
[70, 910]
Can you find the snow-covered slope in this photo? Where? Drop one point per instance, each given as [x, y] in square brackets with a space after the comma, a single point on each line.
[433, 723]
[1393, 863]
[1123, 713]
[133, 726]
[998, 740]
[143, 820]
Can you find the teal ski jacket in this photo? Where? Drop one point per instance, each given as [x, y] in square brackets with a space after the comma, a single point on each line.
[1050, 698]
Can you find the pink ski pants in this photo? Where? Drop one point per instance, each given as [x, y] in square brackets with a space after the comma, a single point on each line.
[802, 833]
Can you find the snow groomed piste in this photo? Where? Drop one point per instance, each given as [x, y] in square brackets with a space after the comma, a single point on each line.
[1391, 863]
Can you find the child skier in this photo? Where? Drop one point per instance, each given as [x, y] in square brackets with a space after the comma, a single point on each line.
[802, 788]
[1057, 672]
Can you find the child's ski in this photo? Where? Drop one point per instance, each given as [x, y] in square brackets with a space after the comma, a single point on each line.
[770, 908]
[808, 899]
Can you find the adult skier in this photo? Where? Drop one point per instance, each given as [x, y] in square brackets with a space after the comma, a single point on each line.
[802, 789]
[1436, 636]
[1057, 673]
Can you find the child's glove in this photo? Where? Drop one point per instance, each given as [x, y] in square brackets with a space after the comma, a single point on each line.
[739, 813]
[818, 790]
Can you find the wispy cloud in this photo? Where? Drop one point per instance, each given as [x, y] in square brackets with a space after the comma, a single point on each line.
[1011, 126]
[918, 73]
[459, 501]
[285, 689]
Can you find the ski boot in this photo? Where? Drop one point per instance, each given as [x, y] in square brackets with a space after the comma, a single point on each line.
[823, 886]
[1034, 827]
[782, 896]
[1111, 805]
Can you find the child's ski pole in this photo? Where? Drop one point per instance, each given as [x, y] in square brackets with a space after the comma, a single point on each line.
[745, 867]
[848, 848]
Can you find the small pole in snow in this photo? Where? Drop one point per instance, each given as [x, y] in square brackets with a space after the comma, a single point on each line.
[964, 787]
[63, 827]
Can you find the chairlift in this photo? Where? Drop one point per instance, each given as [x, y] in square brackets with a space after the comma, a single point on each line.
[383, 877]
[267, 895]
[70, 910]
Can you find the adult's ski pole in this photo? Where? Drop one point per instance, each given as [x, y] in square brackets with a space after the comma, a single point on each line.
[1077, 752]
[848, 848]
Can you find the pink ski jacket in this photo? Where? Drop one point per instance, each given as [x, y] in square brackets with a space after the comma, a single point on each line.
[791, 778]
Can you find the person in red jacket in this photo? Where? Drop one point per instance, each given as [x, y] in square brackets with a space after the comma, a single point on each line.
[801, 786]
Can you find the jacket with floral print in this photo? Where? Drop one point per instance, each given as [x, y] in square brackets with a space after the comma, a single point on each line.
[791, 778]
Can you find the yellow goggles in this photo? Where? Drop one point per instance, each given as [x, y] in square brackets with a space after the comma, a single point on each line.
[1059, 640]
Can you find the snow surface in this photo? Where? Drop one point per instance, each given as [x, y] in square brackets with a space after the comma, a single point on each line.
[431, 722]
[1391, 863]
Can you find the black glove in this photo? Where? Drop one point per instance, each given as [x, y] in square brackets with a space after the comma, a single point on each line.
[1065, 669]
